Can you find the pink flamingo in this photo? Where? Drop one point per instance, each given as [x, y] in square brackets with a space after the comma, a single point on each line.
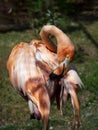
[30, 67]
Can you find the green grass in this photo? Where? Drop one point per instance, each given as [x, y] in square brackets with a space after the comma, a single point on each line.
[14, 113]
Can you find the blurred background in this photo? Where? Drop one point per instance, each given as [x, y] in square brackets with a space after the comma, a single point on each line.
[21, 20]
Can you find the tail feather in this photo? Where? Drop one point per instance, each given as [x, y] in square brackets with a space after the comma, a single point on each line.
[73, 77]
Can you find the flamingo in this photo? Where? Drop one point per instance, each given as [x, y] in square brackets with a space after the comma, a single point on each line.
[30, 67]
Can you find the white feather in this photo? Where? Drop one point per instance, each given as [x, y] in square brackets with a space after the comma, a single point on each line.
[73, 77]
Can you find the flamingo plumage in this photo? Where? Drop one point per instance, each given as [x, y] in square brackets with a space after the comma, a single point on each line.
[30, 65]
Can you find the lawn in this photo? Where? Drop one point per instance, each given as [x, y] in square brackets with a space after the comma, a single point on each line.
[14, 113]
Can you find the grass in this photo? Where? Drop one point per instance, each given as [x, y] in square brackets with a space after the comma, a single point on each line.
[14, 113]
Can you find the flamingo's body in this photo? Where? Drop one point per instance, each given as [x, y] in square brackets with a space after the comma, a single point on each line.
[29, 67]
